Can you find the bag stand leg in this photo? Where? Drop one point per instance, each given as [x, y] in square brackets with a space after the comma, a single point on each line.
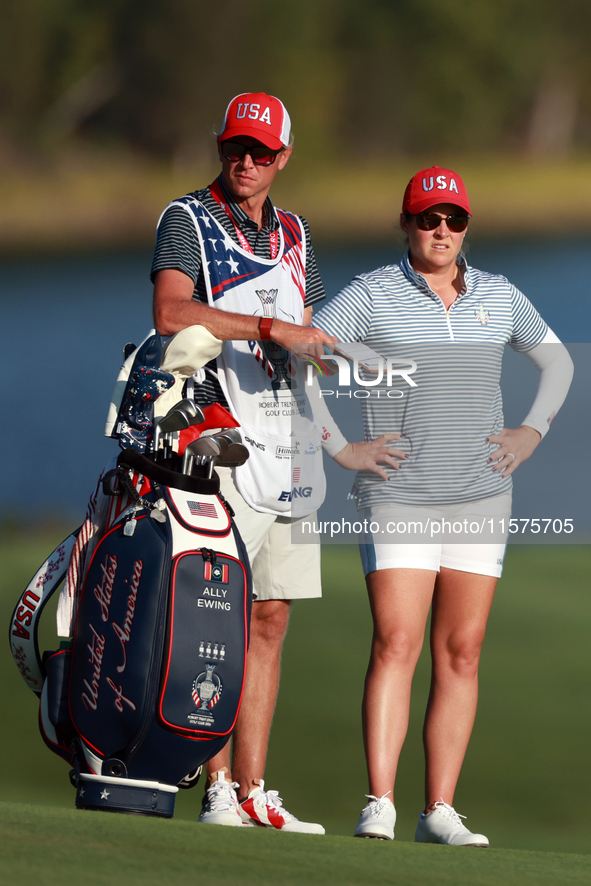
[125, 795]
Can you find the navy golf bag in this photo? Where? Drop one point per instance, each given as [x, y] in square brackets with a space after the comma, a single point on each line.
[149, 687]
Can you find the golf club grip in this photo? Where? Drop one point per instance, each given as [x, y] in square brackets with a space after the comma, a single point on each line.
[133, 459]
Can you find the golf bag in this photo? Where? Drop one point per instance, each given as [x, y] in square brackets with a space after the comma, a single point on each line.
[149, 686]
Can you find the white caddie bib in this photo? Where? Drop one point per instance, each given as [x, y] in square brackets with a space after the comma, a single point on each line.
[284, 474]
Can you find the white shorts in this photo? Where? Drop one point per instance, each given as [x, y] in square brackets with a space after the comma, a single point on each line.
[280, 569]
[468, 522]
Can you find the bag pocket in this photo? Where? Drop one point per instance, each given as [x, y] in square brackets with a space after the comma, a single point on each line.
[281, 471]
[205, 651]
[57, 667]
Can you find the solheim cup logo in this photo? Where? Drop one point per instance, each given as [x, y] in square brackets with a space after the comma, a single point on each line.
[268, 298]
[207, 689]
[482, 315]
[275, 354]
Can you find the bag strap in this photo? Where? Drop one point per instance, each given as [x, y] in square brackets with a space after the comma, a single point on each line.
[131, 458]
[24, 623]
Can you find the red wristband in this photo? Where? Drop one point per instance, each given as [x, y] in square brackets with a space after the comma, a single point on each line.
[265, 328]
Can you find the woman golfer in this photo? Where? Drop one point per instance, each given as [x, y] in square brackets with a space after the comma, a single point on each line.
[439, 525]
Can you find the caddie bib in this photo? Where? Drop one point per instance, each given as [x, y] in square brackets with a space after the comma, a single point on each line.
[265, 391]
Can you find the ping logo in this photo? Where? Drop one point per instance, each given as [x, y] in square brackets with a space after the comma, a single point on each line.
[215, 572]
[442, 185]
[297, 492]
[254, 113]
[255, 443]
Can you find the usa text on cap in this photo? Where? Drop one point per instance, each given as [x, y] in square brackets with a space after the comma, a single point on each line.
[434, 185]
[259, 116]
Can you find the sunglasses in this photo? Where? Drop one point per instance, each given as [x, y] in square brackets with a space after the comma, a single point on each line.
[429, 221]
[260, 155]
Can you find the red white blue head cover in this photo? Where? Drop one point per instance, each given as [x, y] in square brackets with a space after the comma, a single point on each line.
[259, 116]
[428, 187]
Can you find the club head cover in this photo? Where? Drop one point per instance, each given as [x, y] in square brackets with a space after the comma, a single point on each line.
[186, 352]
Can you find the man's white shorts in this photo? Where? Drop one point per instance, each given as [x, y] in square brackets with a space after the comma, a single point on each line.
[469, 554]
[280, 569]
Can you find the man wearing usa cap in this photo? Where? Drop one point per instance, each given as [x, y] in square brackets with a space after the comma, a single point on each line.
[228, 260]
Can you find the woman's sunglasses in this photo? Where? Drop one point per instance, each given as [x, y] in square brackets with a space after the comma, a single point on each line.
[260, 155]
[428, 221]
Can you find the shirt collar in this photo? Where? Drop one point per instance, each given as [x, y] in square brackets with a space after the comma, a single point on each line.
[418, 279]
[270, 220]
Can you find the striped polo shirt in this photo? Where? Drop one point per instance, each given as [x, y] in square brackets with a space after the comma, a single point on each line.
[177, 248]
[457, 400]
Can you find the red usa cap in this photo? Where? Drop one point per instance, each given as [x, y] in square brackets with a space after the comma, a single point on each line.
[259, 116]
[434, 185]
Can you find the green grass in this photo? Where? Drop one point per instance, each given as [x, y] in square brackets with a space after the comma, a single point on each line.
[47, 846]
[525, 781]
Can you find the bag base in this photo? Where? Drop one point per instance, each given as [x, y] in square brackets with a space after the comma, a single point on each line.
[98, 792]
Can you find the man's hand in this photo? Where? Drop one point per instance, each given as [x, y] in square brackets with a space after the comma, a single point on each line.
[368, 456]
[515, 446]
[289, 336]
[315, 347]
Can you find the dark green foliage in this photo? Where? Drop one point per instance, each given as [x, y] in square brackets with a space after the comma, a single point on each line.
[364, 77]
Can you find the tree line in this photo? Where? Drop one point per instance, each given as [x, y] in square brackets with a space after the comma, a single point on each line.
[363, 79]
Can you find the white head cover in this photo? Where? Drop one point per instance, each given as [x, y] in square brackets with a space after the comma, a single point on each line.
[186, 352]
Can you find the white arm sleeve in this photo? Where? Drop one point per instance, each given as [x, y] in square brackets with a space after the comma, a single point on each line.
[332, 439]
[553, 362]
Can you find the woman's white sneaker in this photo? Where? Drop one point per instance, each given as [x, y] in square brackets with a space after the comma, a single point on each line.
[220, 804]
[444, 825]
[377, 819]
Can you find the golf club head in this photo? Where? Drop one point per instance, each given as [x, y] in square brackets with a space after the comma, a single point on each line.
[202, 447]
[234, 456]
[232, 435]
[221, 441]
[182, 415]
[192, 410]
[207, 446]
[174, 420]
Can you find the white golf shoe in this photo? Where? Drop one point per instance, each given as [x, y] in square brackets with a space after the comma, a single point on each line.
[377, 819]
[265, 809]
[220, 804]
[444, 825]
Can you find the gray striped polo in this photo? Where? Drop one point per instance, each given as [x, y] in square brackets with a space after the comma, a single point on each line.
[457, 400]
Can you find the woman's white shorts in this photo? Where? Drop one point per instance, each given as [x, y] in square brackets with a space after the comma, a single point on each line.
[456, 536]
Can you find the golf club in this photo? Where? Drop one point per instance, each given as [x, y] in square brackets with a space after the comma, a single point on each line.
[233, 453]
[191, 409]
[203, 446]
[182, 415]
[232, 435]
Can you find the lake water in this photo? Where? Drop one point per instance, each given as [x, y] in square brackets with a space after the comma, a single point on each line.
[66, 320]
